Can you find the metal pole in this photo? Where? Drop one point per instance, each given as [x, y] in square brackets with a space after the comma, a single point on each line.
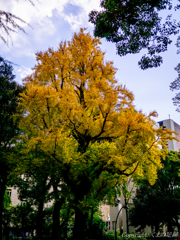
[127, 224]
[116, 222]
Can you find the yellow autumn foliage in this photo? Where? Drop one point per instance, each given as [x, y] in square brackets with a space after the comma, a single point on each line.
[83, 120]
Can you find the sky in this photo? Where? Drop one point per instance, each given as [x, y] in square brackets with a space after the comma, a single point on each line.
[50, 22]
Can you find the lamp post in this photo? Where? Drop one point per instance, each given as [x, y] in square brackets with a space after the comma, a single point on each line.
[125, 206]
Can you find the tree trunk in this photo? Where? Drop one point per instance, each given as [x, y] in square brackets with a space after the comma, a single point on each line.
[44, 188]
[1, 209]
[80, 229]
[39, 222]
[127, 221]
[6, 231]
[64, 224]
[127, 217]
[2, 192]
[56, 221]
[90, 224]
[56, 230]
[156, 228]
[170, 228]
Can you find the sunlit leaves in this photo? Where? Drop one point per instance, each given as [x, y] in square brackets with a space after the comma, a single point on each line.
[78, 115]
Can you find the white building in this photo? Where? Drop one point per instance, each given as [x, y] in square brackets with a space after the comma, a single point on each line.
[171, 125]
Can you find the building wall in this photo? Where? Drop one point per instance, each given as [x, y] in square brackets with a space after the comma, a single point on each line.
[14, 196]
[109, 216]
[171, 125]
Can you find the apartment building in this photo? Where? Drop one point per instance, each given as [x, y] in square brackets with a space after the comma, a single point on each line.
[170, 124]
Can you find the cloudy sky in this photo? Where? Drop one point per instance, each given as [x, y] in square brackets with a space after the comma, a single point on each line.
[53, 21]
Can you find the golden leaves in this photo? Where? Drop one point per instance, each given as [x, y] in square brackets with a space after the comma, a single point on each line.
[77, 113]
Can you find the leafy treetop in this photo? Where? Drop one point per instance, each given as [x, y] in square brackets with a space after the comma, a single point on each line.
[135, 25]
[175, 85]
[9, 91]
[73, 103]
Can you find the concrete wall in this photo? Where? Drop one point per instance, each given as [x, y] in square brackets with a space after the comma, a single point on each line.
[14, 196]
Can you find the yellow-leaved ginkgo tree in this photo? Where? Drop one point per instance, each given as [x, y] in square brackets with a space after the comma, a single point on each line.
[78, 115]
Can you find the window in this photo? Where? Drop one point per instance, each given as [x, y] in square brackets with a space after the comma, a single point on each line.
[113, 225]
[9, 192]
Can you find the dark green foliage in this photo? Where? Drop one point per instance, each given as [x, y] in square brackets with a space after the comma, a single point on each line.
[6, 215]
[135, 25]
[175, 85]
[140, 216]
[97, 228]
[22, 219]
[110, 236]
[9, 91]
[33, 188]
[38, 187]
[159, 204]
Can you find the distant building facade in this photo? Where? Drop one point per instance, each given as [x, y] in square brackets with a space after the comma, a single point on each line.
[171, 125]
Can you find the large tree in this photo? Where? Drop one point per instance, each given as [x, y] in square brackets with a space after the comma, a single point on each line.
[159, 204]
[135, 25]
[9, 91]
[78, 115]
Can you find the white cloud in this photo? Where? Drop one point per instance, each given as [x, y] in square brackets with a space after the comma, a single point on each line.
[74, 21]
[52, 21]
[44, 9]
[39, 17]
[82, 18]
[21, 73]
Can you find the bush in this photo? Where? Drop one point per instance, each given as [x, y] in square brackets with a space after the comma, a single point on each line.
[111, 236]
[97, 228]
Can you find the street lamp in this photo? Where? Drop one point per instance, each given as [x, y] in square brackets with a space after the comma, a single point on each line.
[125, 206]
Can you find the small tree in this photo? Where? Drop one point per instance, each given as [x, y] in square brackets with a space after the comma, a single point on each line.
[159, 204]
[38, 184]
[6, 220]
[9, 92]
[33, 189]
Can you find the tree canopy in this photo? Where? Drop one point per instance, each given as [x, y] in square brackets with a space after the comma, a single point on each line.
[76, 113]
[9, 91]
[135, 25]
[175, 85]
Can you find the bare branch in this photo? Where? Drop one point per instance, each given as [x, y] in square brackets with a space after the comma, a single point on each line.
[10, 23]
